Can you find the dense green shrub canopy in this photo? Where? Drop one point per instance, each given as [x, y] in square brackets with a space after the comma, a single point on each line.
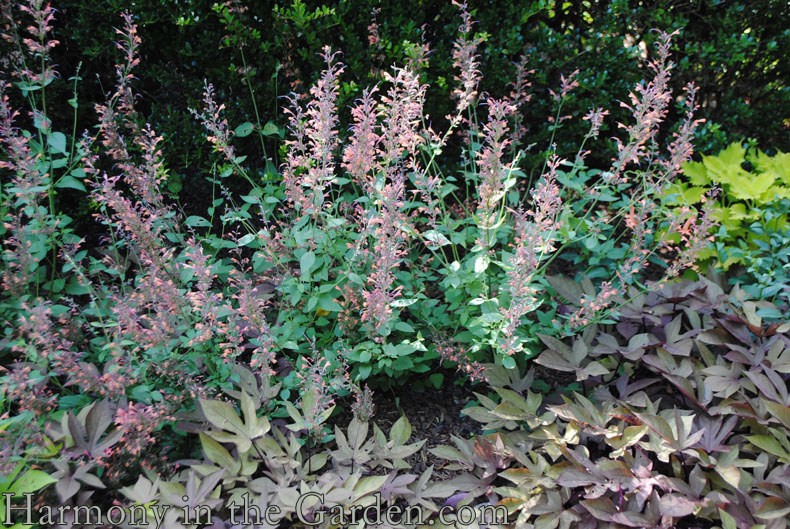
[735, 51]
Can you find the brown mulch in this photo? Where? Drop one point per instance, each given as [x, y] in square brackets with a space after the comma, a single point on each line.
[434, 415]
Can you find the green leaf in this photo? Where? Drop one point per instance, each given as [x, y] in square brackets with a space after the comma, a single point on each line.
[401, 431]
[40, 121]
[368, 485]
[57, 142]
[436, 238]
[566, 288]
[733, 155]
[780, 412]
[251, 198]
[308, 404]
[754, 185]
[481, 263]
[364, 371]
[306, 263]
[247, 239]
[311, 303]
[195, 221]
[447, 452]
[696, 173]
[242, 433]
[327, 303]
[68, 181]
[491, 317]
[403, 327]
[294, 414]
[773, 508]
[216, 453]
[75, 288]
[31, 481]
[243, 130]
[727, 520]
[335, 222]
[770, 445]
[220, 414]
[658, 425]
[270, 129]
[174, 184]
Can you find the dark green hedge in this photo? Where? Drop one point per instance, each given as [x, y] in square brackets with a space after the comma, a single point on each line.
[736, 51]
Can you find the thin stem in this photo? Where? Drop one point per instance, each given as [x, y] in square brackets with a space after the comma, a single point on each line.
[74, 121]
[254, 103]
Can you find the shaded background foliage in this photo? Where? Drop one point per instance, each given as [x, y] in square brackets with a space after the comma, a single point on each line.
[734, 50]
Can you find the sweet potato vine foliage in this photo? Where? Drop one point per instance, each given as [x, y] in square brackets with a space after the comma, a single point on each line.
[367, 258]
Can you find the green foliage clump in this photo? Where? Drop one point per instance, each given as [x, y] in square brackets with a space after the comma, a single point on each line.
[734, 52]
[753, 240]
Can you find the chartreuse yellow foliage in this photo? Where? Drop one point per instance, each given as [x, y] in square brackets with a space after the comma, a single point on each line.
[767, 181]
[744, 192]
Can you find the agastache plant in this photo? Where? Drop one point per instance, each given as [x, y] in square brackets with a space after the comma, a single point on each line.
[310, 165]
[465, 59]
[649, 107]
[493, 170]
[536, 233]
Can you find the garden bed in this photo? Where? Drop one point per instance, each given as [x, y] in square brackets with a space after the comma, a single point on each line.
[372, 310]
